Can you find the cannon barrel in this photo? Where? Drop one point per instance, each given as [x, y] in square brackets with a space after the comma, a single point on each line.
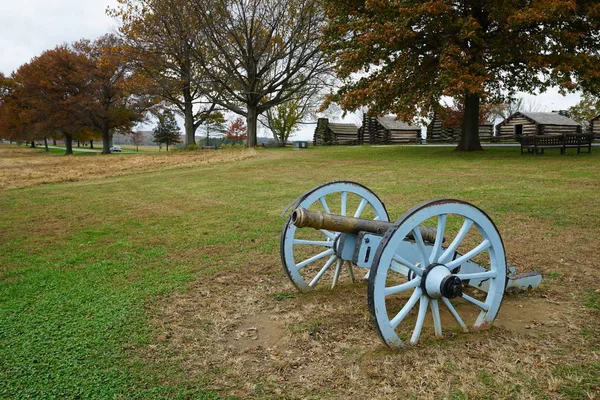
[303, 218]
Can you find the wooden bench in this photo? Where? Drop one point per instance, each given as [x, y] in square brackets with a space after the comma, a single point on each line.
[536, 144]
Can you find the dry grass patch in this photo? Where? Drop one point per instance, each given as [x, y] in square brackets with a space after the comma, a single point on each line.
[20, 167]
[249, 334]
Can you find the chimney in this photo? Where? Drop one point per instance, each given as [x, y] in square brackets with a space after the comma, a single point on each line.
[564, 113]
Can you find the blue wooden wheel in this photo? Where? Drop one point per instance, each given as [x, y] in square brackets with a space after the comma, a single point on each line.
[307, 255]
[404, 286]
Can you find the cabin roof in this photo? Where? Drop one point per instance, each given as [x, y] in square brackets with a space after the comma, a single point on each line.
[391, 123]
[343, 128]
[547, 118]
[596, 117]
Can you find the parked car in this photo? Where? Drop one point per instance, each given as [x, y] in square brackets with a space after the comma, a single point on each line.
[115, 149]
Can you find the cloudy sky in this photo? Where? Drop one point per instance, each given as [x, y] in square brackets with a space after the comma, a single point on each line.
[29, 27]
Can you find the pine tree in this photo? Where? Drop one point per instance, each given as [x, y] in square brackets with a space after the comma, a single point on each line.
[167, 130]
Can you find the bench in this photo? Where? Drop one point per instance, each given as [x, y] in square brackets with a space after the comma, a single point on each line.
[537, 143]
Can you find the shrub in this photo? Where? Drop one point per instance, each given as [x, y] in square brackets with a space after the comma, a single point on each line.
[192, 147]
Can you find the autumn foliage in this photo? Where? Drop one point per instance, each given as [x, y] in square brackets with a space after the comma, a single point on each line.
[83, 92]
[404, 56]
[236, 131]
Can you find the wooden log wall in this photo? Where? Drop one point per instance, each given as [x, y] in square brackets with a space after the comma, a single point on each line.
[323, 135]
[595, 127]
[559, 129]
[507, 131]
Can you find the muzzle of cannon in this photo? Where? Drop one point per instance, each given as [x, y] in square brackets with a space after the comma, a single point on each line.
[443, 257]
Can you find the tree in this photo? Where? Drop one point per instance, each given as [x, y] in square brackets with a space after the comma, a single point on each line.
[167, 130]
[50, 96]
[117, 98]
[402, 56]
[585, 110]
[258, 53]
[215, 123]
[283, 120]
[161, 36]
[137, 138]
[236, 131]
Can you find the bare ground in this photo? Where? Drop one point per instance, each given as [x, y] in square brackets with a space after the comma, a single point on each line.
[249, 334]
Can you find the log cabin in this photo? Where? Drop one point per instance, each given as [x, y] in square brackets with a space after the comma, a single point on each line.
[387, 130]
[525, 123]
[333, 133]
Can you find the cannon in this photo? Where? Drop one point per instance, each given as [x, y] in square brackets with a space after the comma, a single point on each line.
[444, 257]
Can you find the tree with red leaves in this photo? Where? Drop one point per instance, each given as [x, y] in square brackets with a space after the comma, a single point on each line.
[236, 131]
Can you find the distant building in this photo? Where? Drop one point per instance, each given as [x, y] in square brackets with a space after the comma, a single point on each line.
[333, 133]
[387, 130]
[440, 130]
[595, 126]
[524, 123]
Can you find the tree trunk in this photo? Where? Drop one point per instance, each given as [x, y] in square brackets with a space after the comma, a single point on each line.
[53, 142]
[188, 114]
[69, 144]
[469, 138]
[33, 144]
[106, 139]
[251, 120]
[46, 143]
[78, 144]
[91, 144]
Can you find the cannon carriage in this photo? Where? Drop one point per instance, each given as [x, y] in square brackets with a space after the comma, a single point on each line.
[444, 257]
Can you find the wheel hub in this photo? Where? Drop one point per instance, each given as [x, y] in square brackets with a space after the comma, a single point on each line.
[437, 282]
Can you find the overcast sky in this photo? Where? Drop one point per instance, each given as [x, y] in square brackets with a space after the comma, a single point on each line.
[29, 27]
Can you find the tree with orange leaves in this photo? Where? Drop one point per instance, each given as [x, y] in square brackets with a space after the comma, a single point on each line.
[50, 94]
[403, 56]
[118, 98]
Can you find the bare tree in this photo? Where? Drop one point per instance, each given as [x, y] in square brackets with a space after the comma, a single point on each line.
[258, 53]
[161, 37]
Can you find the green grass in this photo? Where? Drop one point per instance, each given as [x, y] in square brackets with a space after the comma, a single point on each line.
[82, 263]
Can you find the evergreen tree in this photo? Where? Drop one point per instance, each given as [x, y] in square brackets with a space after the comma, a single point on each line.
[167, 130]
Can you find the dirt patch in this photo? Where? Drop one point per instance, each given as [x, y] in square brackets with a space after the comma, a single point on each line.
[248, 333]
[20, 167]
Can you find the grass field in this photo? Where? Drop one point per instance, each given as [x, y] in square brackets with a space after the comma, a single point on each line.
[159, 276]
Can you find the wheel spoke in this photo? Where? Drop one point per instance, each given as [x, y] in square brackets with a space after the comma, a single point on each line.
[455, 314]
[456, 242]
[314, 242]
[466, 257]
[323, 254]
[322, 271]
[398, 258]
[344, 202]
[324, 204]
[420, 245]
[336, 273]
[407, 307]
[439, 238]
[402, 287]
[330, 235]
[478, 303]
[351, 271]
[360, 208]
[437, 321]
[477, 275]
[420, 319]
